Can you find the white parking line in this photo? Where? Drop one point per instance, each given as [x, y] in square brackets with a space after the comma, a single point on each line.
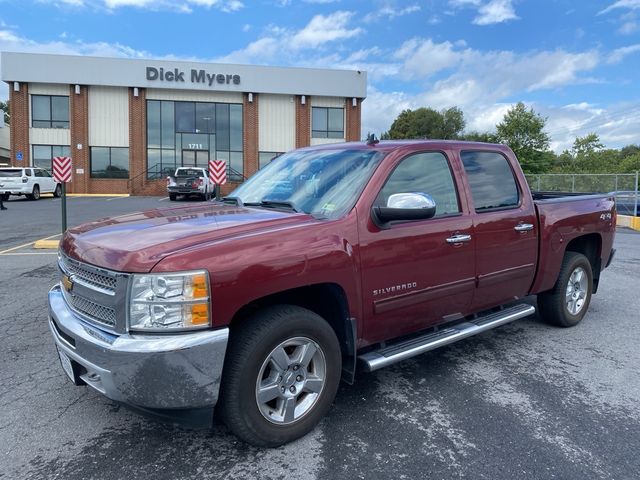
[115, 198]
[163, 199]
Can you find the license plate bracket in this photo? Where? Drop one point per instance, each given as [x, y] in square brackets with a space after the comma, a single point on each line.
[69, 366]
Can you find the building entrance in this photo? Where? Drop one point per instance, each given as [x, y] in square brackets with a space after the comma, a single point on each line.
[195, 158]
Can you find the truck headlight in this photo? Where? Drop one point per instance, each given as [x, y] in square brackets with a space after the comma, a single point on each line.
[167, 302]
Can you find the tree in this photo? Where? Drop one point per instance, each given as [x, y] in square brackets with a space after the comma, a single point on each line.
[427, 123]
[4, 107]
[523, 131]
[587, 145]
[474, 136]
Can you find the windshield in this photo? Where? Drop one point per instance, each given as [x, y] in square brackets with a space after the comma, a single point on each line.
[324, 183]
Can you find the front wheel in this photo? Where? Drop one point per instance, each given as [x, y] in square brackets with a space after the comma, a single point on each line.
[567, 303]
[281, 374]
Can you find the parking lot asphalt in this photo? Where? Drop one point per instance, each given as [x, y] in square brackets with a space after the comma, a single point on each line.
[523, 401]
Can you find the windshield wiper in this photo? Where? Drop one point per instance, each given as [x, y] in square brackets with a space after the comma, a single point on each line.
[280, 204]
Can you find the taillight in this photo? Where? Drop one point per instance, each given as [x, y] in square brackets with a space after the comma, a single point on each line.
[201, 182]
[25, 179]
[168, 181]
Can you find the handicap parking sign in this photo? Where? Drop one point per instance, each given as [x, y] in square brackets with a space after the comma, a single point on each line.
[19, 156]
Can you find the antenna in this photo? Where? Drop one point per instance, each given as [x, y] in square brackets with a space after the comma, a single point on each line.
[371, 139]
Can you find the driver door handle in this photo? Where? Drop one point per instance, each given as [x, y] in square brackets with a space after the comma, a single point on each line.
[523, 227]
[459, 238]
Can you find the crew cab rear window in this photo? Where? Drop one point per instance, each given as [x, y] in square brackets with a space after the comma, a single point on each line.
[491, 180]
[9, 172]
[426, 172]
[190, 172]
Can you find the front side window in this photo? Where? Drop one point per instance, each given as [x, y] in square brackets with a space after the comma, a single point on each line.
[109, 162]
[49, 111]
[327, 122]
[323, 183]
[43, 154]
[426, 172]
[491, 180]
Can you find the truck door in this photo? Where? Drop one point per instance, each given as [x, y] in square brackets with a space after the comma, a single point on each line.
[504, 229]
[415, 273]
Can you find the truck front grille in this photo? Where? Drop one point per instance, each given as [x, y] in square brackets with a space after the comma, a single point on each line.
[92, 277]
[96, 294]
[98, 313]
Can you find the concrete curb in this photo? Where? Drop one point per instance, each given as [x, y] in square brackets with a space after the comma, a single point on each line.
[629, 222]
[46, 244]
[98, 195]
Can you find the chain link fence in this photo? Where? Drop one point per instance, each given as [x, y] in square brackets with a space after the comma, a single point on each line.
[623, 185]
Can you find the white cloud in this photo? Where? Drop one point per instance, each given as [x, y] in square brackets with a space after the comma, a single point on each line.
[625, 4]
[284, 45]
[390, 11]
[423, 58]
[325, 28]
[184, 6]
[620, 53]
[496, 11]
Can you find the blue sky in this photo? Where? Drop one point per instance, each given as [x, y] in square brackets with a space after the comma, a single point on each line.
[576, 62]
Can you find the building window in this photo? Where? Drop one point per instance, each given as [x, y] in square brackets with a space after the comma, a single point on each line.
[109, 162]
[191, 134]
[49, 111]
[267, 157]
[327, 122]
[42, 155]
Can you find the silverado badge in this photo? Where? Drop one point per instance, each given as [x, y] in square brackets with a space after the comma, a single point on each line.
[67, 282]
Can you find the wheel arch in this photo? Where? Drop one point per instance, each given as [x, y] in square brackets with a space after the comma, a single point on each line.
[329, 301]
[590, 246]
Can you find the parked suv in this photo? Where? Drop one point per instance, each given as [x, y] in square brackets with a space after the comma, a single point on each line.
[30, 182]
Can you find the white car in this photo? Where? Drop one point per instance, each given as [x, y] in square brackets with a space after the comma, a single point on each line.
[30, 182]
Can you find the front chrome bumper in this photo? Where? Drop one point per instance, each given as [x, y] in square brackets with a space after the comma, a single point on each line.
[174, 371]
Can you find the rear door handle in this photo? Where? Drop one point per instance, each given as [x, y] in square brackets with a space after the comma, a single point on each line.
[523, 227]
[459, 238]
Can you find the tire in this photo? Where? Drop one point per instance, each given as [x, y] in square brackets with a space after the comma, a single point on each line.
[57, 193]
[289, 334]
[172, 197]
[35, 194]
[576, 280]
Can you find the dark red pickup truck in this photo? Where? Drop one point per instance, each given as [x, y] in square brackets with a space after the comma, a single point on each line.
[329, 259]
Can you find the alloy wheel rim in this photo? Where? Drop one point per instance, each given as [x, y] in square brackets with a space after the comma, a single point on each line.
[291, 380]
[576, 293]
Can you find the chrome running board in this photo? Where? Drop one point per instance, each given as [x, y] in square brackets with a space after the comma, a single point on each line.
[402, 350]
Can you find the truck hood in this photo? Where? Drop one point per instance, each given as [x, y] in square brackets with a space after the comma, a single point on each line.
[136, 242]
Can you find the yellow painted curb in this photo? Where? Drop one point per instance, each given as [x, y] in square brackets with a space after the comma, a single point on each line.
[98, 195]
[629, 222]
[46, 244]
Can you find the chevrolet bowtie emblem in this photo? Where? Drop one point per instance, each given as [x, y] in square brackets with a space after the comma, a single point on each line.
[67, 283]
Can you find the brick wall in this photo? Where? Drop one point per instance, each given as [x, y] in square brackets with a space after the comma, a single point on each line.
[19, 133]
[138, 141]
[79, 133]
[250, 134]
[353, 121]
[303, 122]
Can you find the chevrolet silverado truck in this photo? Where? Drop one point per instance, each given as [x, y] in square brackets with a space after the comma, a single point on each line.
[190, 181]
[330, 259]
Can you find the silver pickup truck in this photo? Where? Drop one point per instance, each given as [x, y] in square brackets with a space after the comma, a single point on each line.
[190, 181]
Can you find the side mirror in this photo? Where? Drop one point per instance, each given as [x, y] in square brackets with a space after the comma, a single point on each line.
[405, 206]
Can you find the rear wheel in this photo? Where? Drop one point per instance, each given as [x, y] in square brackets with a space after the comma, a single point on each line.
[35, 194]
[567, 303]
[281, 375]
[58, 191]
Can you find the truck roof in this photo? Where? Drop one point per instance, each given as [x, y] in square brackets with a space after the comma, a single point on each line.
[391, 145]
